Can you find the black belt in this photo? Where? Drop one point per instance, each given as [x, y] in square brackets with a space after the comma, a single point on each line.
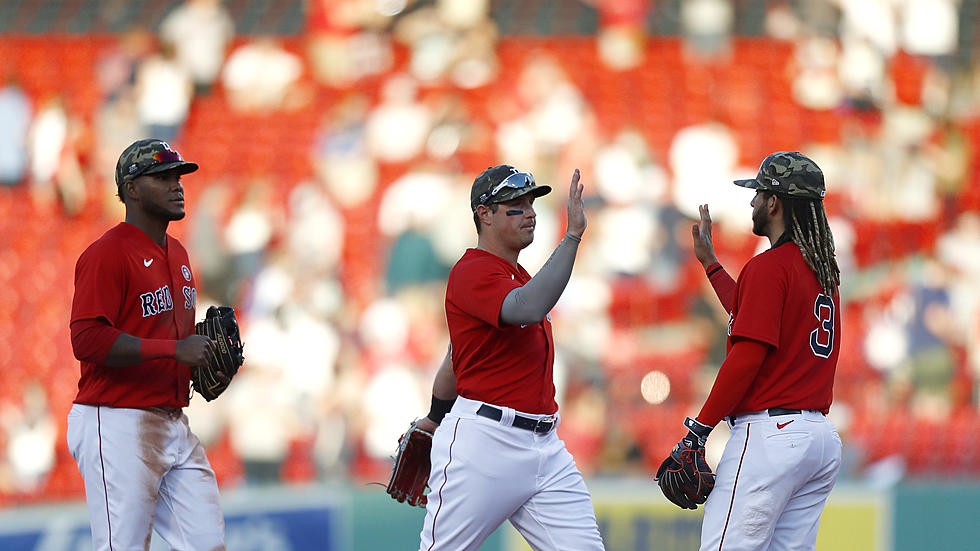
[774, 412]
[527, 423]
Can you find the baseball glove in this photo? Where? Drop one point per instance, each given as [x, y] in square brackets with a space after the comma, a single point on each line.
[410, 475]
[684, 476]
[221, 326]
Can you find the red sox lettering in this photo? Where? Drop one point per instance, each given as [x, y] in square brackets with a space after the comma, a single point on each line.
[156, 302]
[190, 297]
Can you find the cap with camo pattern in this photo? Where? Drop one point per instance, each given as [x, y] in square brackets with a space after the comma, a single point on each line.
[788, 173]
[149, 156]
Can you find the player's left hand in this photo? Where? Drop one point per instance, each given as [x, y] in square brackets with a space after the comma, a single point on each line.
[684, 476]
[577, 220]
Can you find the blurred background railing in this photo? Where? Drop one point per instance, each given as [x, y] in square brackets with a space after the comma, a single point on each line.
[338, 140]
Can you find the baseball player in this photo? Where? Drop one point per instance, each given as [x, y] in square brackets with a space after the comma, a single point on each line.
[495, 455]
[132, 329]
[775, 385]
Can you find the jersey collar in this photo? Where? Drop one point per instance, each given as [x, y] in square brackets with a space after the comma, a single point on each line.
[787, 237]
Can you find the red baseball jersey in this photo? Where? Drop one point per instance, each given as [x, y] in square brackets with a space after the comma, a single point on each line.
[147, 291]
[778, 301]
[506, 365]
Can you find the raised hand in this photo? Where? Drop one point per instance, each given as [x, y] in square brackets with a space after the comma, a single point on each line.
[577, 220]
[704, 250]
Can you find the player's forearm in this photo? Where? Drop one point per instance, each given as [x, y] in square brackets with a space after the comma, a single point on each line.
[532, 302]
[733, 380]
[723, 284]
[443, 394]
[444, 385]
[130, 350]
[98, 342]
[125, 351]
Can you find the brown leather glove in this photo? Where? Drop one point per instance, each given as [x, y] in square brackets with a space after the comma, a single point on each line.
[410, 475]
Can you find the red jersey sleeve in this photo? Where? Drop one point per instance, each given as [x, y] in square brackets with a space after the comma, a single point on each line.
[723, 284]
[91, 340]
[480, 289]
[99, 285]
[734, 378]
[759, 297]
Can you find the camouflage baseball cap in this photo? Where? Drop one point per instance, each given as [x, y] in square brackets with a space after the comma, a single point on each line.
[502, 183]
[788, 173]
[149, 156]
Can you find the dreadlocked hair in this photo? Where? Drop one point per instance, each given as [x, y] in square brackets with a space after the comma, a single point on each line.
[806, 222]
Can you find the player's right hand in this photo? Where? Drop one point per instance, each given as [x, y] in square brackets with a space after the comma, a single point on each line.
[195, 350]
[576, 207]
[704, 250]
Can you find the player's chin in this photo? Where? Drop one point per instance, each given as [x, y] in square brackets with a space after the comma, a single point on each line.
[177, 214]
[527, 238]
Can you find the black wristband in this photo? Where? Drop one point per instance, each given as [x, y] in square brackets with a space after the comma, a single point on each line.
[698, 429]
[712, 272]
[439, 409]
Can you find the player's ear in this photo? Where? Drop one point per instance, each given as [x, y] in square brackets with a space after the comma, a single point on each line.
[485, 214]
[129, 190]
[775, 205]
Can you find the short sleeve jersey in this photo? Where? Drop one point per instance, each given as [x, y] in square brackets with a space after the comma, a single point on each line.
[148, 291]
[779, 302]
[506, 365]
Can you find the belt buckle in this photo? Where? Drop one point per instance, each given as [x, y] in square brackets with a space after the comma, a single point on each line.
[539, 425]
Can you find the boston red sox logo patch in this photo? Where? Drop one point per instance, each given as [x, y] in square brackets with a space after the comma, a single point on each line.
[186, 272]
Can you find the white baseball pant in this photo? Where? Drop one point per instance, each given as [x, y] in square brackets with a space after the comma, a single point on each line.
[485, 472]
[772, 482]
[144, 469]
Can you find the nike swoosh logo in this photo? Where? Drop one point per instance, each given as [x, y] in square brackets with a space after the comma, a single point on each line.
[781, 425]
[147, 262]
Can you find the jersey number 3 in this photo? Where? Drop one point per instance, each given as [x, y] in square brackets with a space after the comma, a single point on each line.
[822, 338]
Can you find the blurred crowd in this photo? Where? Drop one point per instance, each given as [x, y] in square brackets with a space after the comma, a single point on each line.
[335, 251]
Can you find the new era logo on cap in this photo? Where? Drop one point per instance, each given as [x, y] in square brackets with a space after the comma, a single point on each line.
[788, 173]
